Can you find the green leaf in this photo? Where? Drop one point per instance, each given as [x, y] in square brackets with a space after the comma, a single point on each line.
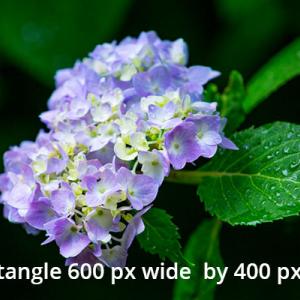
[258, 183]
[42, 36]
[281, 68]
[161, 236]
[203, 246]
[230, 102]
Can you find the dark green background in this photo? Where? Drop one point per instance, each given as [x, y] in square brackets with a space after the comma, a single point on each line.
[36, 37]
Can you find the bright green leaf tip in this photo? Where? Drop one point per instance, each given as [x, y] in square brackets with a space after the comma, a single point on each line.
[283, 67]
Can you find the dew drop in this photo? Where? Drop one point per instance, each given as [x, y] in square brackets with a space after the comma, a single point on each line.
[286, 149]
[294, 164]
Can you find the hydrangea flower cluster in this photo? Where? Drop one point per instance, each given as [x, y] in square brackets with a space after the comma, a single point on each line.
[118, 120]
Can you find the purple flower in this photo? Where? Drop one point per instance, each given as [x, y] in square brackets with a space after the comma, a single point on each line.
[98, 191]
[57, 165]
[20, 196]
[154, 164]
[89, 255]
[63, 200]
[135, 227]
[163, 117]
[40, 212]
[153, 82]
[98, 225]
[117, 121]
[114, 257]
[67, 236]
[23, 188]
[12, 214]
[181, 145]
[226, 143]
[141, 190]
[208, 134]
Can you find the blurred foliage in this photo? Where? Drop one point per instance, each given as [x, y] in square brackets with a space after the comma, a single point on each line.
[43, 36]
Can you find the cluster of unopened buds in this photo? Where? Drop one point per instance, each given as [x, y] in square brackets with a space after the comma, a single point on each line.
[118, 121]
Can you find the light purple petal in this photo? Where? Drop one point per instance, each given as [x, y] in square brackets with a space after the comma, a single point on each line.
[228, 144]
[153, 82]
[70, 241]
[20, 196]
[87, 256]
[63, 200]
[181, 145]
[40, 213]
[98, 225]
[114, 257]
[142, 190]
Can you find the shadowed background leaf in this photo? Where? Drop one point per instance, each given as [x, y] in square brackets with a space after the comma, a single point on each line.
[43, 36]
[281, 68]
[250, 28]
[202, 247]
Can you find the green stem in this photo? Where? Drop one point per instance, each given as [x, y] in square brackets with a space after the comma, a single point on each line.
[185, 177]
